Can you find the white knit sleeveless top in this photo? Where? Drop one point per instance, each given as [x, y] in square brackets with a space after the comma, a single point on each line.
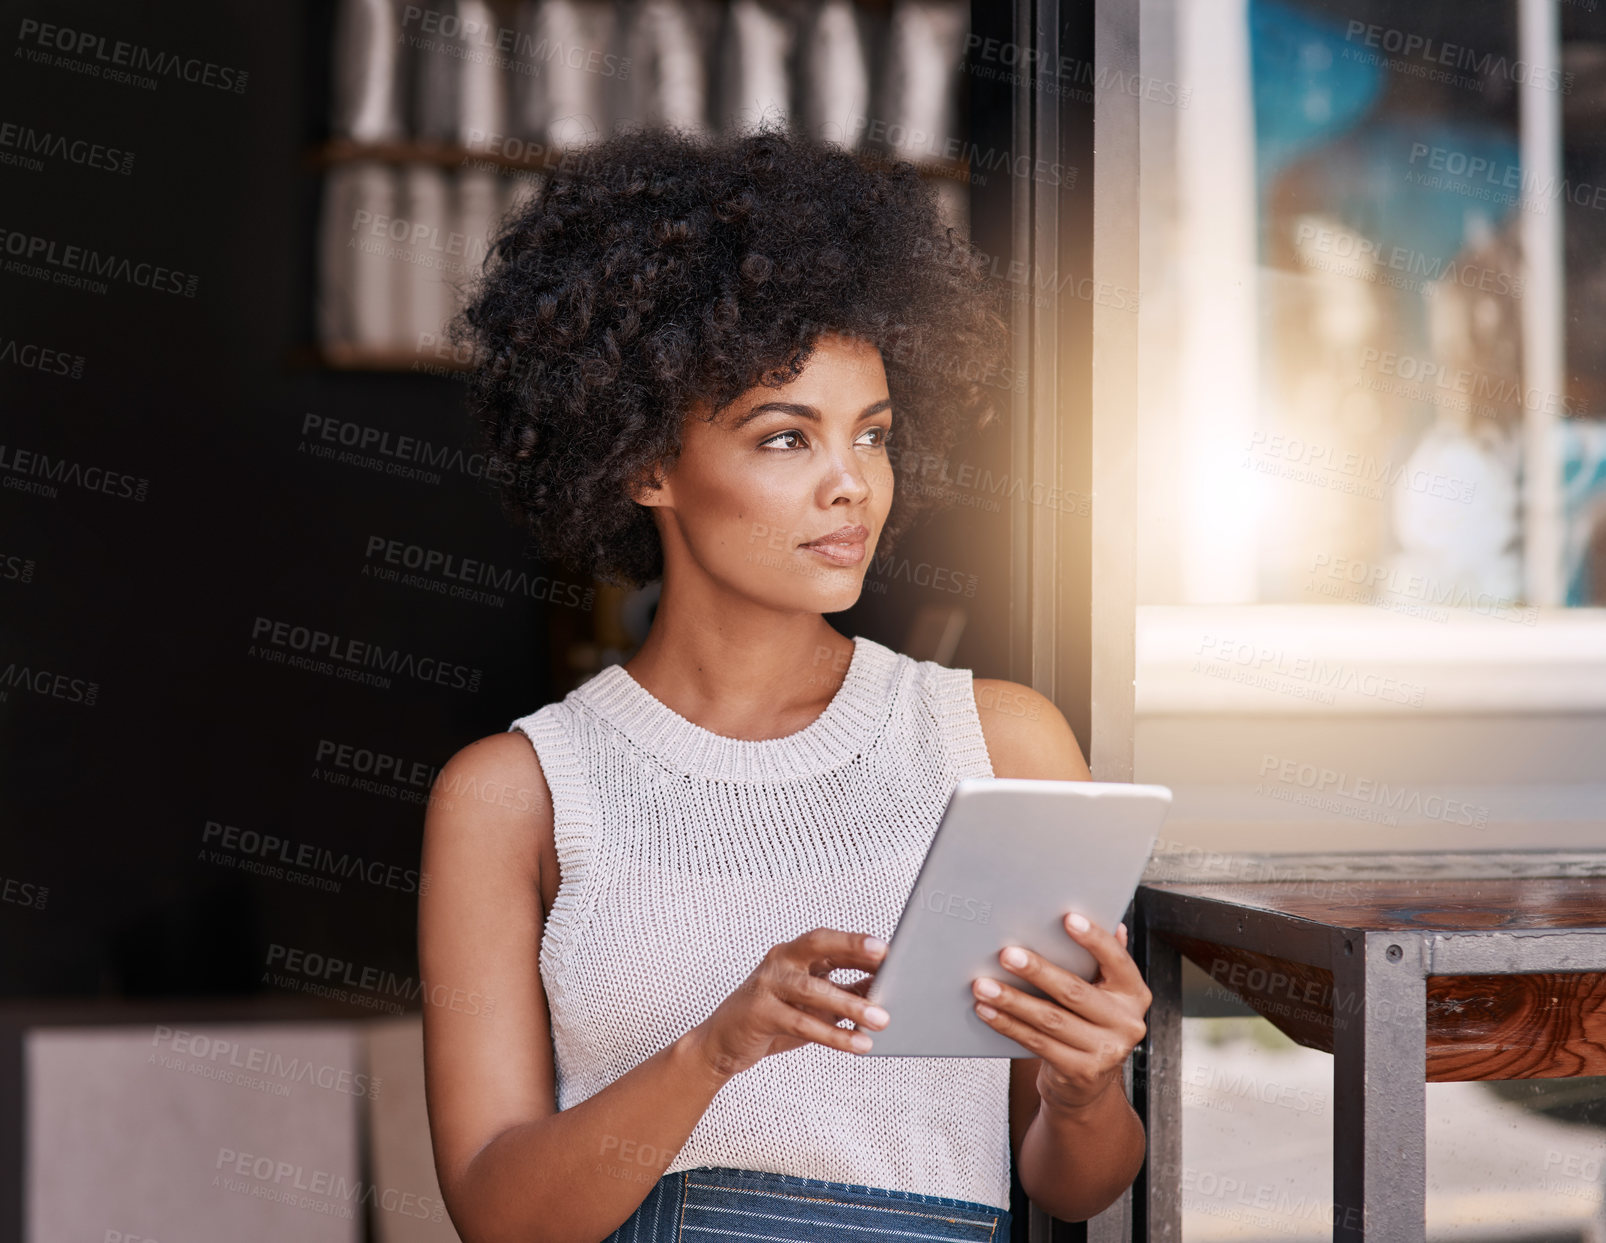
[685, 855]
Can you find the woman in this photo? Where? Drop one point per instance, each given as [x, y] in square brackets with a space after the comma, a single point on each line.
[696, 356]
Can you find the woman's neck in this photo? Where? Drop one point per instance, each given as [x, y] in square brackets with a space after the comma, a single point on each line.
[756, 682]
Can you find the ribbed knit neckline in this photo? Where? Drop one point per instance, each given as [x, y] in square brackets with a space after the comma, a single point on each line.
[850, 722]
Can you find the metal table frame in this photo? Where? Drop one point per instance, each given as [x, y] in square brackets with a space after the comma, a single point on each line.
[1379, 1048]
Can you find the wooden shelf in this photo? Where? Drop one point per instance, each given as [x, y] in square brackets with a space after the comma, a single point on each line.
[536, 158]
[371, 358]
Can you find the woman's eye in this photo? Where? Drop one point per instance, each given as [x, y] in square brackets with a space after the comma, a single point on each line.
[882, 432]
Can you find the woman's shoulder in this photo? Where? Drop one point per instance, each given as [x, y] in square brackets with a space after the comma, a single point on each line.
[491, 802]
[501, 769]
[1026, 734]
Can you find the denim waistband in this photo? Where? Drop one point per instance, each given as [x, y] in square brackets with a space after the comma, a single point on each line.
[706, 1204]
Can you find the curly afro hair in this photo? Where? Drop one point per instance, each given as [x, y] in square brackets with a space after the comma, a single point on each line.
[655, 270]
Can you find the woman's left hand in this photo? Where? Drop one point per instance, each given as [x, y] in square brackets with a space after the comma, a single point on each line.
[1083, 1031]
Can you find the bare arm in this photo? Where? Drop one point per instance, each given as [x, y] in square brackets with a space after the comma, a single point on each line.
[1078, 1142]
[512, 1167]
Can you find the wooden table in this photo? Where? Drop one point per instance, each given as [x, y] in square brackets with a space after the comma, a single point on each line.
[1408, 970]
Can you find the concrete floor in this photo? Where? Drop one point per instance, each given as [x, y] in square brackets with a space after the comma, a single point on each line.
[1257, 1150]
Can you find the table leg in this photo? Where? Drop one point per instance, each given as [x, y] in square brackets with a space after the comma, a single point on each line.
[1157, 1095]
[1114, 1224]
[1379, 1088]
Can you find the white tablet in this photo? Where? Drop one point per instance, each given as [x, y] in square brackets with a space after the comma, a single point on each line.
[1010, 858]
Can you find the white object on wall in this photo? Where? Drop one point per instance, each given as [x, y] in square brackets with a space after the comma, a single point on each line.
[755, 58]
[835, 75]
[368, 62]
[423, 269]
[566, 66]
[920, 92]
[356, 280]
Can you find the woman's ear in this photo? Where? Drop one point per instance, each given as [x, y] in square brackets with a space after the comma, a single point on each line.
[644, 487]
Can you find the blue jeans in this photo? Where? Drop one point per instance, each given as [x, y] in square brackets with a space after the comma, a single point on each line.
[707, 1204]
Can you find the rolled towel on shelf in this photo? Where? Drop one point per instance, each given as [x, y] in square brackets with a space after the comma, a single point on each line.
[356, 278]
[368, 69]
[481, 112]
[666, 43]
[918, 103]
[424, 270]
[756, 51]
[568, 71]
[834, 75]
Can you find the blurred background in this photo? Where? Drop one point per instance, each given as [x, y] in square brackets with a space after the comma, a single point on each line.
[255, 588]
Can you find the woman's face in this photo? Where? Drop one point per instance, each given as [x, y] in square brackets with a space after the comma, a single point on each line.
[751, 494]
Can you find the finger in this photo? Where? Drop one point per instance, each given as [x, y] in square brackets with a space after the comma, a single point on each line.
[1049, 1046]
[795, 1023]
[816, 993]
[1055, 1023]
[826, 949]
[1097, 1002]
[1116, 968]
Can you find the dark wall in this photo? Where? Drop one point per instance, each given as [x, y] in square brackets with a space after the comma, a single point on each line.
[167, 524]
[161, 591]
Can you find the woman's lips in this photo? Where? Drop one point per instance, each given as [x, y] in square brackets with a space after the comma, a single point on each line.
[839, 554]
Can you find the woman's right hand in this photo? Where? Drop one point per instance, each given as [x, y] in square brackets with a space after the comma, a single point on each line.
[788, 1001]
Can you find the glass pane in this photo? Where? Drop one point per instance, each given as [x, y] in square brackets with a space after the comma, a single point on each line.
[1373, 422]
